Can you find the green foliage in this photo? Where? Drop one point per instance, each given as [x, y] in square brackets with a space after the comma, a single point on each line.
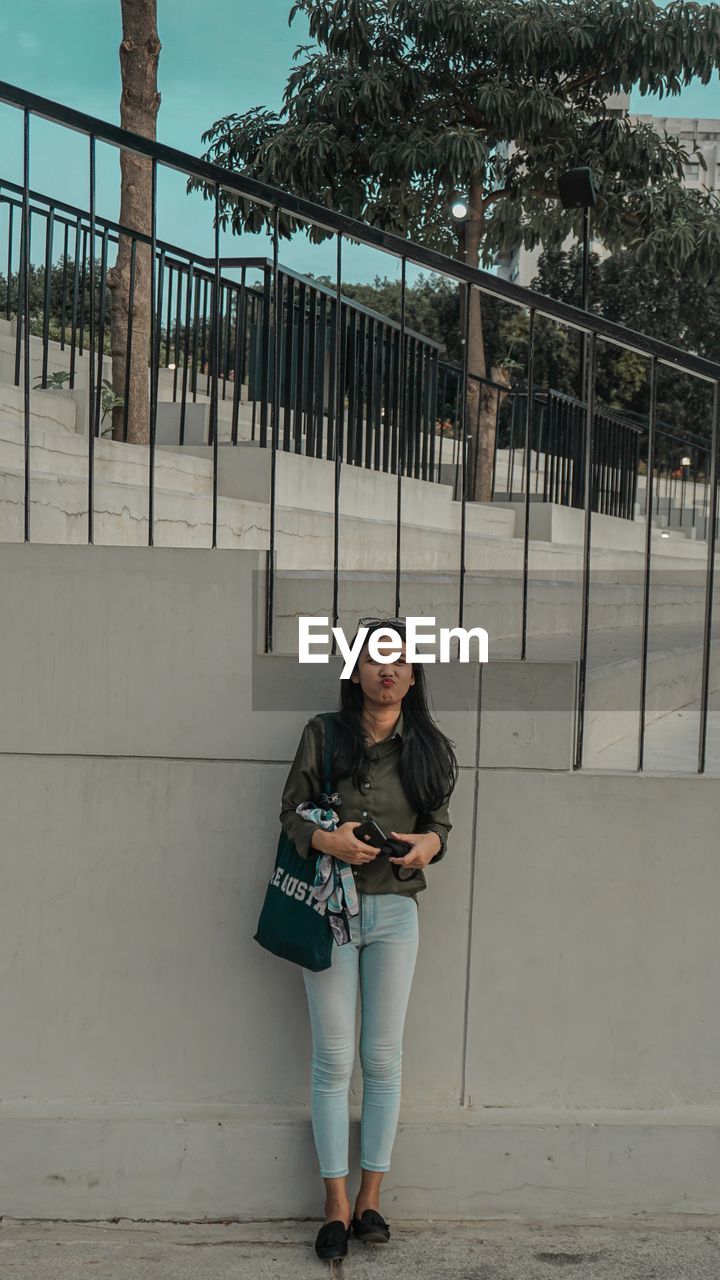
[399, 102]
[432, 307]
[55, 314]
[55, 381]
[109, 401]
[673, 307]
[64, 280]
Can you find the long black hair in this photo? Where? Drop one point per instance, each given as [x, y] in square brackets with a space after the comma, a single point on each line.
[428, 765]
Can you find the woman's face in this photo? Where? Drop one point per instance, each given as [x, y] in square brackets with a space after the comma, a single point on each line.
[383, 682]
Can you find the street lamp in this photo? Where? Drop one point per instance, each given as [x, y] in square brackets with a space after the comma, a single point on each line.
[577, 191]
[460, 214]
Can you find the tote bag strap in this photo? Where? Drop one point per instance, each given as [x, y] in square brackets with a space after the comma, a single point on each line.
[329, 719]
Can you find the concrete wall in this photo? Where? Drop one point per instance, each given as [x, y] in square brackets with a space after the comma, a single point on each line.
[563, 1034]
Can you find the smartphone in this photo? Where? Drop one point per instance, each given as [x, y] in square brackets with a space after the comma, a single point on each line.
[370, 833]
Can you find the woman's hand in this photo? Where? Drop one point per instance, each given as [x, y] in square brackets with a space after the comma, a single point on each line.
[342, 844]
[424, 847]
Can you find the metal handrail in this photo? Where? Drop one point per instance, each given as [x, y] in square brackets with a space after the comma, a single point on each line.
[341, 224]
[298, 210]
[249, 263]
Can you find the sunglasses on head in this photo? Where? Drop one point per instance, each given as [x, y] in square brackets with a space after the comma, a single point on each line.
[397, 623]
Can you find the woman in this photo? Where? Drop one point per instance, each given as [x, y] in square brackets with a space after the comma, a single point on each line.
[392, 764]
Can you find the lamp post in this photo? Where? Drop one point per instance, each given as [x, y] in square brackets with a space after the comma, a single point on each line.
[684, 463]
[577, 191]
[460, 214]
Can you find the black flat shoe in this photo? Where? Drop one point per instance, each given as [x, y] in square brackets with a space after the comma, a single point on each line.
[332, 1240]
[371, 1227]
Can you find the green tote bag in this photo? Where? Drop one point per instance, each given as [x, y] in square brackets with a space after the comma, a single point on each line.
[293, 924]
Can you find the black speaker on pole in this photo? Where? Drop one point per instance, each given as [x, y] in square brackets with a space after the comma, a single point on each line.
[577, 189]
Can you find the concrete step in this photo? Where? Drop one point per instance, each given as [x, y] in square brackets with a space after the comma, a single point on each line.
[493, 600]
[671, 742]
[309, 483]
[197, 408]
[614, 671]
[63, 455]
[674, 671]
[58, 514]
[48, 409]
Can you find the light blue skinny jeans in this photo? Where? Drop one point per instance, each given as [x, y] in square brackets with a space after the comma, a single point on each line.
[381, 953]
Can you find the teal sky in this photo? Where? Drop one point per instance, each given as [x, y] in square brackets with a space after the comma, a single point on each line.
[219, 57]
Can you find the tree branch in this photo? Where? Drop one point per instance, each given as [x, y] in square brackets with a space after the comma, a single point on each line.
[495, 195]
[569, 86]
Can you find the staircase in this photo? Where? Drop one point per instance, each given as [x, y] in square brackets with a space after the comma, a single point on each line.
[430, 545]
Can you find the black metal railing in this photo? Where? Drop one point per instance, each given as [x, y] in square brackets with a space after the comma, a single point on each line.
[370, 342]
[557, 424]
[349, 441]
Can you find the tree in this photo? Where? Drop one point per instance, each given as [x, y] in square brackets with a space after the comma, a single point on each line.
[671, 306]
[401, 102]
[139, 104]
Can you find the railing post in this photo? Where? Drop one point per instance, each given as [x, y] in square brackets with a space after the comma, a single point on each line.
[190, 287]
[239, 356]
[276, 318]
[101, 331]
[711, 535]
[648, 551]
[8, 311]
[178, 325]
[24, 324]
[91, 352]
[50, 226]
[154, 349]
[401, 433]
[467, 302]
[339, 440]
[529, 414]
[215, 341]
[264, 375]
[585, 604]
[63, 305]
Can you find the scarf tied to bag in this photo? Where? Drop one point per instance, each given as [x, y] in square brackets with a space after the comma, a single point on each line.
[334, 881]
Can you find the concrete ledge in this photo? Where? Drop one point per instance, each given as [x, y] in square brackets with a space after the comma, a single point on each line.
[254, 1163]
[55, 409]
[674, 680]
[553, 522]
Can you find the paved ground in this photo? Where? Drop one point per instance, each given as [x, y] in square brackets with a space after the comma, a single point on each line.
[667, 1247]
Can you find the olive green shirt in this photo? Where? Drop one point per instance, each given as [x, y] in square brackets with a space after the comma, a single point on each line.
[381, 797]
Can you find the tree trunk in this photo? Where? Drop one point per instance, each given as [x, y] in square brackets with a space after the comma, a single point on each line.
[482, 401]
[139, 103]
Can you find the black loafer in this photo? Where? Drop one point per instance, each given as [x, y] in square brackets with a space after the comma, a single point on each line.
[371, 1227]
[332, 1240]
